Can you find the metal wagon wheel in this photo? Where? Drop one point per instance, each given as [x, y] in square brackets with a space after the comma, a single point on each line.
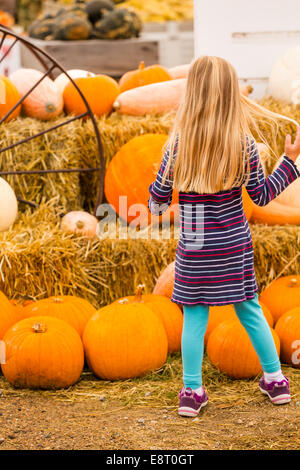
[50, 64]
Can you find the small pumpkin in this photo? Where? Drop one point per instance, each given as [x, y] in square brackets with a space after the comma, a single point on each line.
[282, 295]
[150, 99]
[81, 223]
[165, 283]
[288, 330]
[62, 80]
[118, 24]
[43, 352]
[8, 206]
[45, 101]
[9, 315]
[73, 310]
[230, 350]
[96, 9]
[105, 88]
[11, 97]
[168, 312]
[143, 76]
[6, 19]
[123, 341]
[148, 149]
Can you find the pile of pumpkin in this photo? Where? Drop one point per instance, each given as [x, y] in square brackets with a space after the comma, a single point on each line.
[94, 19]
[45, 342]
[227, 343]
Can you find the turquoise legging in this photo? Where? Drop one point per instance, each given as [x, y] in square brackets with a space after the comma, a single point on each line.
[192, 341]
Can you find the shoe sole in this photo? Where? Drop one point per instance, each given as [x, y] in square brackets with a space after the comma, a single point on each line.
[190, 412]
[280, 400]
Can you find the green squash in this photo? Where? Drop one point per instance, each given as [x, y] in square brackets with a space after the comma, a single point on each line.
[118, 24]
[42, 29]
[96, 9]
[70, 27]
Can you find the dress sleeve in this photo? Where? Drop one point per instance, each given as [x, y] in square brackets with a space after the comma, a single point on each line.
[161, 192]
[261, 189]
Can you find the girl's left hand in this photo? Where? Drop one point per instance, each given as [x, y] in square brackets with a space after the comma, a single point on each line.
[292, 150]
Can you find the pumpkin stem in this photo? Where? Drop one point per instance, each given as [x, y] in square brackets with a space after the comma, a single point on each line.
[39, 328]
[139, 293]
[294, 282]
[142, 65]
[79, 224]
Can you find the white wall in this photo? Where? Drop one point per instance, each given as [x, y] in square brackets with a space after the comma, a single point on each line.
[250, 34]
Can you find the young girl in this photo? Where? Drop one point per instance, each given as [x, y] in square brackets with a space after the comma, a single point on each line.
[210, 155]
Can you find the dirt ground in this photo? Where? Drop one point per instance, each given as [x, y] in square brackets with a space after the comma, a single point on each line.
[142, 414]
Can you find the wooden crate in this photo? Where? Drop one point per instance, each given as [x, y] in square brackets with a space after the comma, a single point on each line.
[99, 56]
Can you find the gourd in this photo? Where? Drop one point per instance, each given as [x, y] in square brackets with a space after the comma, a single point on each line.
[282, 295]
[168, 312]
[288, 330]
[165, 282]
[73, 310]
[71, 27]
[62, 80]
[42, 352]
[230, 350]
[118, 24]
[96, 9]
[42, 29]
[45, 101]
[155, 98]
[148, 149]
[284, 78]
[219, 314]
[105, 88]
[8, 206]
[81, 223]
[10, 98]
[9, 315]
[143, 76]
[123, 341]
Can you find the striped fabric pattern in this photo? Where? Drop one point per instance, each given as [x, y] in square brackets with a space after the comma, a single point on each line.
[214, 256]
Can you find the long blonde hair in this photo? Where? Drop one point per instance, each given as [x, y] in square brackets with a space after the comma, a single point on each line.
[212, 127]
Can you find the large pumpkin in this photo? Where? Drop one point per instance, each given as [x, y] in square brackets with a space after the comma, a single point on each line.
[123, 341]
[8, 205]
[230, 350]
[143, 76]
[45, 101]
[9, 315]
[288, 330]
[73, 310]
[276, 213]
[10, 99]
[100, 91]
[282, 295]
[168, 312]
[130, 173]
[219, 314]
[285, 76]
[43, 352]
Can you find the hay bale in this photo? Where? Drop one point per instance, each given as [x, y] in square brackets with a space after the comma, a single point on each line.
[38, 260]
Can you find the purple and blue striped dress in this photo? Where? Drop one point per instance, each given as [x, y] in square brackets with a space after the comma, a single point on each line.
[214, 257]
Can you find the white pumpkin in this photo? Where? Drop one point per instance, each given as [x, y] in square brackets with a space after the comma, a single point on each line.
[8, 205]
[62, 80]
[284, 81]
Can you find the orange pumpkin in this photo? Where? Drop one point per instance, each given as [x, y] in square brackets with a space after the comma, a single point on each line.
[9, 314]
[45, 101]
[73, 310]
[147, 149]
[143, 76]
[123, 341]
[168, 312]
[230, 350]
[100, 92]
[149, 99]
[288, 330]
[80, 222]
[219, 314]
[282, 295]
[11, 97]
[6, 19]
[276, 213]
[43, 352]
[248, 204]
[165, 282]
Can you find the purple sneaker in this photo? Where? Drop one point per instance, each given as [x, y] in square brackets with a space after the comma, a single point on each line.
[190, 403]
[278, 392]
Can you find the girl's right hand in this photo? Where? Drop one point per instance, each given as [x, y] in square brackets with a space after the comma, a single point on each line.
[292, 150]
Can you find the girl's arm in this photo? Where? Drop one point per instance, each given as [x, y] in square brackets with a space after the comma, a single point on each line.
[262, 190]
[161, 193]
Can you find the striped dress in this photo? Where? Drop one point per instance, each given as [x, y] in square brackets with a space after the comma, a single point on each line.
[214, 257]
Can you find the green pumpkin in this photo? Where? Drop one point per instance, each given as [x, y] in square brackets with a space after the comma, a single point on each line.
[70, 27]
[96, 9]
[118, 24]
[42, 29]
